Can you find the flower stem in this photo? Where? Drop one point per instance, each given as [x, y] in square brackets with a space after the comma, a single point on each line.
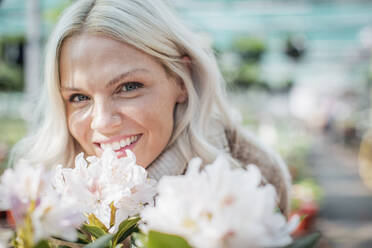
[25, 233]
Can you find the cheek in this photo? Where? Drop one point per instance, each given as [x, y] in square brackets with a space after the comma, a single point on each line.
[154, 114]
[78, 125]
[160, 120]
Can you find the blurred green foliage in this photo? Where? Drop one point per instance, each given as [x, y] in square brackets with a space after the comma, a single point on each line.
[250, 49]
[11, 131]
[249, 76]
[245, 72]
[11, 77]
[10, 39]
[52, 15]
[11, 72]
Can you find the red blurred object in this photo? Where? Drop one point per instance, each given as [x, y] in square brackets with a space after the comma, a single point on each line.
[308, 212]
[10, 219]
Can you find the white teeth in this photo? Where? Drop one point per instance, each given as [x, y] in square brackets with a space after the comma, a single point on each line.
[122, 143]
[116, 145]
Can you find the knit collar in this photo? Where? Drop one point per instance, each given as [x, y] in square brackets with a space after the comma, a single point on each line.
[170, 163]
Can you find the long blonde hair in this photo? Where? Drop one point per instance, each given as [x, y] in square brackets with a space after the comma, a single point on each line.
[150, 26]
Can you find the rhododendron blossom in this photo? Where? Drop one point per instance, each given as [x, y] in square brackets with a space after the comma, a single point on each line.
[26, 191]
[218, 207]
[106, 183]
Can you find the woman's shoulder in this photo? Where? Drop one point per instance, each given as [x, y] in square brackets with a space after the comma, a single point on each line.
[246, 148]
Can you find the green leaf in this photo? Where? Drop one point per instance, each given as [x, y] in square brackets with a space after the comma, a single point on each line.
[103, 241]
[308, 241]
[112, 214]
[127, 233]
[161, 240]
[94, 221]
[42, 244]
[94, 230]
[59, 243]
[125, 229]
[82, 237]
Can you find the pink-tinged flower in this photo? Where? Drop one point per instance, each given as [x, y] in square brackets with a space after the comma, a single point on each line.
[99, 182]
[21, 186]
[58, 216]
[218, 207]
[27, 192]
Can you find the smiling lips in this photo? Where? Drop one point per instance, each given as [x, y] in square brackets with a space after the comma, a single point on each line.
[122, 143]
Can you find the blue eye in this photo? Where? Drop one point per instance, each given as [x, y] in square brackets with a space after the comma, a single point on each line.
[78, 98]
[130, 86]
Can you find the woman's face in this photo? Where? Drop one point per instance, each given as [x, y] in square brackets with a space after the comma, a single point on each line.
[118, 96]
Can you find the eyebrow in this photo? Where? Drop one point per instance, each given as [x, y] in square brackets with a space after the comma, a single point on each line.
[124, 75]
[113, 81]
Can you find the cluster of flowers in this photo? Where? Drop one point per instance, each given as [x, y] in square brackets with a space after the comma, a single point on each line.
[104, 200]
[98, 192]
[219, 207]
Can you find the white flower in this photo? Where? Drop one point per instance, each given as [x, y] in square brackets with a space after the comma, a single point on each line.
[98, 182]
[56, 215]
[27, 192]
[20, 186]
[218, 207]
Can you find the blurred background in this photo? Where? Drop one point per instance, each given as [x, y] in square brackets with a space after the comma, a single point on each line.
[298, 71]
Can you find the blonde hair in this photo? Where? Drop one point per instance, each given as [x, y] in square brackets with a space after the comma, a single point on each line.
[150, 26]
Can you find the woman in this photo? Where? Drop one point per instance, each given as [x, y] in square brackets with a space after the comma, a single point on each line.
[128, 74]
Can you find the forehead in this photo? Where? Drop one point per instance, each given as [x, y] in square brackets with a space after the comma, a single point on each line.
[85, 55]
[99, 47]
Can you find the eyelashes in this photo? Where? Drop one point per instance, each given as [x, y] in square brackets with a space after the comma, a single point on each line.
[123, 88]
[130, 86]
[75, 98]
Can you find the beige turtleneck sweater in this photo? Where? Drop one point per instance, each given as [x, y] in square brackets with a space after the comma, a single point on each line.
[243, 147]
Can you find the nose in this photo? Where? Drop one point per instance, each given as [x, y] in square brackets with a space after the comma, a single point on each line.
[105, 118]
